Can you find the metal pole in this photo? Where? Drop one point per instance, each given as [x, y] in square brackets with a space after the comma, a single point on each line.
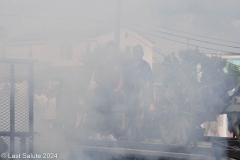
[12, 108]
[31, 96]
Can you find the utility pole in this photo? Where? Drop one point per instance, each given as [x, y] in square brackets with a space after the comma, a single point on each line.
[118, 24]
[187, 44]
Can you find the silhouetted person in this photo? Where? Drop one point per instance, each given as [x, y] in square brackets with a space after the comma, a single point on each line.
[138, 80]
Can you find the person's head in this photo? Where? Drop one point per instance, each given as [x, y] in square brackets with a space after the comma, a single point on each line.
[111, 47]
[138, 52]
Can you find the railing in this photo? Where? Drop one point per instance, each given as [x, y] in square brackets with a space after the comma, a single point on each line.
[16, 104]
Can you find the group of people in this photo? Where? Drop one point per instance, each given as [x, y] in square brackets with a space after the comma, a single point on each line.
[45, 109]
[122, 81]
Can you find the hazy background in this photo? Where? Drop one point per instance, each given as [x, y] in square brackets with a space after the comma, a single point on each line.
[218, 19]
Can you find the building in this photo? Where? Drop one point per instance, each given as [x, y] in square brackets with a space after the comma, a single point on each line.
[66, 49]
[60, 53]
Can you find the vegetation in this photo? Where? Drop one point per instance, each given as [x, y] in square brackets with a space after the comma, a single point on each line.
[203, 70]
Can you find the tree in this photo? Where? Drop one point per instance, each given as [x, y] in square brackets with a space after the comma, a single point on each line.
[205, 70]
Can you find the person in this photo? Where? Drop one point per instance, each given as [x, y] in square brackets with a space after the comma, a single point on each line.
[107, 93]
[139, 90]
[50, 110]
[138, 71]
[234, 118]
[211, 128]
[233, 124]
[39, 104]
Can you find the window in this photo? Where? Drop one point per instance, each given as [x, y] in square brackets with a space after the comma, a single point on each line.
[66, 51]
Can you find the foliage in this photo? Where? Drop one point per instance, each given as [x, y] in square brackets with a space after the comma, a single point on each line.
[203, 70]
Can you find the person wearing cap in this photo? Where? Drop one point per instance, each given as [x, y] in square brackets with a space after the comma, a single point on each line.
[138, 79]
[141, 66]
[137, 72]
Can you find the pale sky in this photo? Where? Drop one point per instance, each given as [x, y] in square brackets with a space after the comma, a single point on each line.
[219, 19]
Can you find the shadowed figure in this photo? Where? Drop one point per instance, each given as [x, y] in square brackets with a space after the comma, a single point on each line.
[138, 88]
[67, 106]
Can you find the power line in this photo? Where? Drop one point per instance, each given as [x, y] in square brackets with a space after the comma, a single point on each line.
[186, 43]
[155, 59]
[147, 45]
[193, 39]
[164, 55]
[189, 38]
[197, 35]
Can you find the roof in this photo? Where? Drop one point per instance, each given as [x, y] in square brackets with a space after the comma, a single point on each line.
[145, 37]
[52, 36]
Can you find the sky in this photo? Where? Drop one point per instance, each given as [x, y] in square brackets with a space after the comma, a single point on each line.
[218, 19]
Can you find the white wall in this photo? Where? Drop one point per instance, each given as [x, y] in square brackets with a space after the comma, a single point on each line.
[223, 125]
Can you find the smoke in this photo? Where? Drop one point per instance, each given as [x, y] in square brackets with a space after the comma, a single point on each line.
[86, 89]
[85, 116]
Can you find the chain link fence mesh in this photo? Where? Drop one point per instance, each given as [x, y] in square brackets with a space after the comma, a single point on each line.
[20, 76]
[21, 98]
[4, 97]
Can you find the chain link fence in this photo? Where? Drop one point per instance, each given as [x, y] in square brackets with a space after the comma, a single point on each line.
[16, 103]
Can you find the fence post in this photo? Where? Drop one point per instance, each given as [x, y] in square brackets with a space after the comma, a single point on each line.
[12, 108]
